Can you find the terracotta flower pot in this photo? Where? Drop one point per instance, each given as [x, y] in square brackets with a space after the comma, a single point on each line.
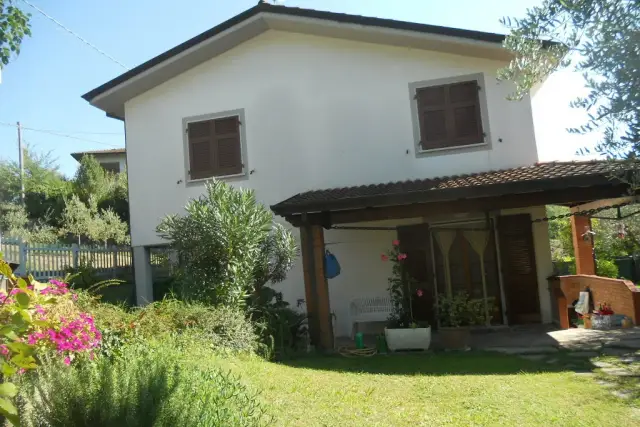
[454, 338]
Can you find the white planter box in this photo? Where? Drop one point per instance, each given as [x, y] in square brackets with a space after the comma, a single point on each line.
[408, 339]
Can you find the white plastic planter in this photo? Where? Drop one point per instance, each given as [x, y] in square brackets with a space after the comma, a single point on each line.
[408, 339]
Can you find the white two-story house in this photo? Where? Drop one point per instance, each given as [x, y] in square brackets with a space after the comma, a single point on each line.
[356, 131]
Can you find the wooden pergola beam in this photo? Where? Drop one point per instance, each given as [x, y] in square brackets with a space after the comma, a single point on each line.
[316, 287]
[511, 201]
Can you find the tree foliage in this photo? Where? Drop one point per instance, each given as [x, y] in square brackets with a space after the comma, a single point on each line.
[600, 39]
[77, 218]
[106, 226]
[93, 204]
[227, 245]
[14, 27]
[613, 237]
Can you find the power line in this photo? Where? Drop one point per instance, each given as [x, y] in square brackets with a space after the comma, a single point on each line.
[76, 35]
[64, 135]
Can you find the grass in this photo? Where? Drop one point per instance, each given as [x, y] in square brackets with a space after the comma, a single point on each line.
[470, 389]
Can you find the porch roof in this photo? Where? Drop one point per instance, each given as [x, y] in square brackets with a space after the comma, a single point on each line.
[537, 178]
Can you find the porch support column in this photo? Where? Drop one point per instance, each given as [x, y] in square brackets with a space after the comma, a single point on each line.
[316, 286]
[582, 247]
[143, 275]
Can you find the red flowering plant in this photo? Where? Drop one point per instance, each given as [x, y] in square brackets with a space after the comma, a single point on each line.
[400, 285]
[604, 309]
[38, 318]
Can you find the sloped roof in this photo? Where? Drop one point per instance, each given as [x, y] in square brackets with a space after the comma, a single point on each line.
[79, 154]
[265, 16]
[525, 179]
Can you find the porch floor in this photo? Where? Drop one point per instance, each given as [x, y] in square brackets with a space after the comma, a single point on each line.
[537, 339]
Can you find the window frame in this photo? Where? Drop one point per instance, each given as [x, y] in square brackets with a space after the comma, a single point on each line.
[484, 116]
[187, 149]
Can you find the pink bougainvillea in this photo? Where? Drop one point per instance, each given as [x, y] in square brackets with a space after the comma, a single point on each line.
[384, 257]
[67, 336]
[55, 288]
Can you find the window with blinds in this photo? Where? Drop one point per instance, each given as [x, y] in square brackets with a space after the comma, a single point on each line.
[449, 115]
[215, 148]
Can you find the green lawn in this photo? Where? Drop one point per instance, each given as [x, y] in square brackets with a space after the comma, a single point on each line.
[470, 389]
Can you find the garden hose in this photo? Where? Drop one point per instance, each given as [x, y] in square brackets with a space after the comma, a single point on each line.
[357, 352]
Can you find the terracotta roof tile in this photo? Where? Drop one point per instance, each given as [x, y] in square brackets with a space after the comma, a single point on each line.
[555, 173]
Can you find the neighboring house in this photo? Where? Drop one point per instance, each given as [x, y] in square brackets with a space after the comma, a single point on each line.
[355, 130]
[114, 160]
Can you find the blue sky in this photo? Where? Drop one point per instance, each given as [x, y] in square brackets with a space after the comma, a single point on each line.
[42, 87]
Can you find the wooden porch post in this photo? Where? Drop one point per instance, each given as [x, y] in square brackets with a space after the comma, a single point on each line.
[582, 247]
[316, 286]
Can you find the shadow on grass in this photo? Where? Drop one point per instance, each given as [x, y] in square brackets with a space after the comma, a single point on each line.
[468, 363]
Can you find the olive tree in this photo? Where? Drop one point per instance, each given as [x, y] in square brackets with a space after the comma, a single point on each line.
[601, 40]
[14, 26]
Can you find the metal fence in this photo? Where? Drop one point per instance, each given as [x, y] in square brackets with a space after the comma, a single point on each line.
[48, 261]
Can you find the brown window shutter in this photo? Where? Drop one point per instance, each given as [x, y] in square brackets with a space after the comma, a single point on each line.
[200, 149]
[414, 241]
[464, 113]
[432, 110]
[227, 149]
[449, 115]
[519, 273]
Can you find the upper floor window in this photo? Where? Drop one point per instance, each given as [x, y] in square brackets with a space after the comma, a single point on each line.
[215, 146]
[112, 167]
[449, 114]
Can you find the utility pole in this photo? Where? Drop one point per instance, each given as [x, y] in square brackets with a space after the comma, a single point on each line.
[21, 162]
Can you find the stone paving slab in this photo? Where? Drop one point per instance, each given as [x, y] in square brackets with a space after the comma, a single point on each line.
[618, 372]
[524, 350]
[632, 344]
[616, 351]
[584, 354]
[599, 364]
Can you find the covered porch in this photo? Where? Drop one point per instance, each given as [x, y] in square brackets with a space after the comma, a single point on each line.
[483, 233]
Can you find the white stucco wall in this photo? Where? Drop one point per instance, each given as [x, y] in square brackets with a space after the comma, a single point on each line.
[319, 113]
[120, 158]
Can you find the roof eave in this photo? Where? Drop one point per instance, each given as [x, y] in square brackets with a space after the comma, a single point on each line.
[429, 196]
[111, 96]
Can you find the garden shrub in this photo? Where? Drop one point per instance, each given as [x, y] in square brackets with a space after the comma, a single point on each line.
[225, 328]
[149, 385]
[606, 268]
[227, 246]
[282, 330]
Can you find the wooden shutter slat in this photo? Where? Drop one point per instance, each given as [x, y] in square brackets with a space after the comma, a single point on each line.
[414, 241]
[519, 273]
[201, 159]
[228, 149]
[449, 115]
[200, 149]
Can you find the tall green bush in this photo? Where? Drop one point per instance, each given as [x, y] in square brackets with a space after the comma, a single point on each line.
[225, 243]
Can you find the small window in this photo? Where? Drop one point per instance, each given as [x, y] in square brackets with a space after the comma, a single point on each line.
[112, 167]
[215, 147]
[449, 115]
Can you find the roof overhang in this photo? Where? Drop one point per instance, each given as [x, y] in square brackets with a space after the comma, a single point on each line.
[111, 96]
[567, 183]
[98, 153]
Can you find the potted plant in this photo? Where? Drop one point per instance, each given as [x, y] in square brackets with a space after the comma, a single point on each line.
[456, 313]
[602, 318]
[403, 332]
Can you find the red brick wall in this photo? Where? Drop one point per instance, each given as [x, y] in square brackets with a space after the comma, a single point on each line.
[622, 295]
